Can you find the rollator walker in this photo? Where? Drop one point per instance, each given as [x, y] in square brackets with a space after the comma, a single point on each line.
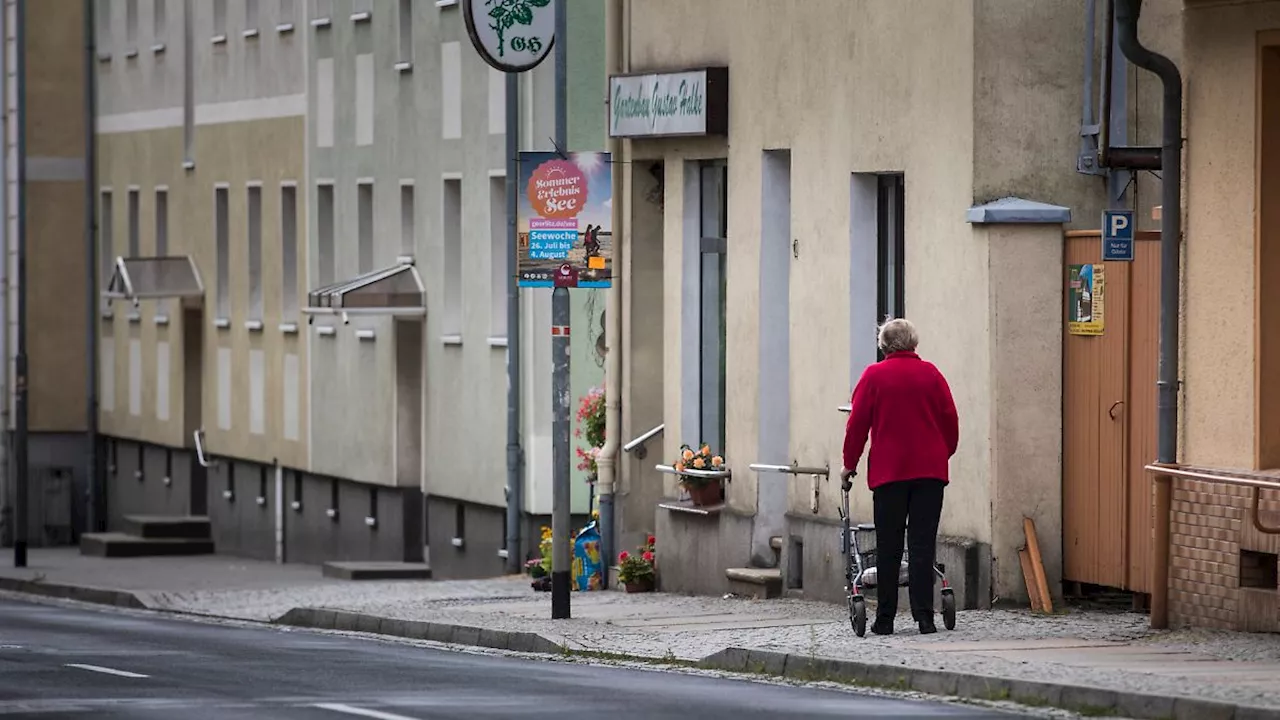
[860, 572]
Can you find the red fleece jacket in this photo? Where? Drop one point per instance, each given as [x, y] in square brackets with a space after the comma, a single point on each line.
[905, 405]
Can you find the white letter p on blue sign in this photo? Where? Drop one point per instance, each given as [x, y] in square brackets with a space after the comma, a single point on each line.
[1119, 223]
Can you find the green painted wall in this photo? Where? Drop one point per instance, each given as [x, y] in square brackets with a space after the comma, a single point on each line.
[587, 131]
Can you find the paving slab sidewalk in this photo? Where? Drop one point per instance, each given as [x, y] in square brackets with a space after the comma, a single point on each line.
[1089, 662]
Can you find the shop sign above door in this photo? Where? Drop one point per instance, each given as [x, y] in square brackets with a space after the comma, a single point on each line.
[692, 102]
[511, 35]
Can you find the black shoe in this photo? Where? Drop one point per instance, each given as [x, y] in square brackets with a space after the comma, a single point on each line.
[882, 626]
[927, 627]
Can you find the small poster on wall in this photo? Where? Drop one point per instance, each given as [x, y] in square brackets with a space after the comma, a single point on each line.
[1086, 293]
[564, 220]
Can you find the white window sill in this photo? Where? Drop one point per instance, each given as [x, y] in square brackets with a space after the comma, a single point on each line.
[253, 325]
[457, 542]
[131, 53]
[221, 323]
[503, 554]
[135, 317]
[228, 495]
[404, 67]
[325, 330]
[371, 522]
[296, 505]
[497, 342]
[108, 314]
[332, 513]
[359, 17]
[451, 340]
[249, 34]
[161, 319]
[188, 165]
[283, 28]
[366, 334]
[262, 502]
[446, 3]
[289, 328]
[157, 48]
[104, 57]
[323, 22]
[218, 40]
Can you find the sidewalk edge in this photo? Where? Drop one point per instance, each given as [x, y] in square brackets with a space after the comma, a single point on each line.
[1084, 700]
[80, 593]
[323, 619]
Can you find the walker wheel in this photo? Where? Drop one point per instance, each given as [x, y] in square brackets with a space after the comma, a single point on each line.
[858, 616]
[949, 609]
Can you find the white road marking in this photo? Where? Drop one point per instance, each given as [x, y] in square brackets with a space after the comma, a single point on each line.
[106, 670]
[360, 712]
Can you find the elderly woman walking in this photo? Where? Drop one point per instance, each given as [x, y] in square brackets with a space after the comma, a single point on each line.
[905, 405]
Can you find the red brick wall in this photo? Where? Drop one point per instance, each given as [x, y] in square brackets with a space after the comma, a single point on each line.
[1210, 526]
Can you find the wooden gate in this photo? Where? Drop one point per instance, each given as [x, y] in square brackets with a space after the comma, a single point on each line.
[1109, 420]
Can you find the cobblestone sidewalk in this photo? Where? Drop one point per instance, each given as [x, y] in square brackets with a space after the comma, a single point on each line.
[1112, 652]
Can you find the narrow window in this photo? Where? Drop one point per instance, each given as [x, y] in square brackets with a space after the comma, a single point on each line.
[460, 524]
[406, 32]
[373, 505]
[286, 12]
[324, 222]
[712, 313]
[220, 20]
[223, 247]
[364, 231]
[289, 253]
[162, 236]
[406, 219]
[333, 498]
[188, 85]
[321, 12]
[297, 489]
[103, 14]
[452, 256]
[262, 485]
[131, 24]
[230, 492]
[251, 18]
[159, 21]
[255, 251]
[890, 247]
[106, 240]
[499, 271]
[134, 230]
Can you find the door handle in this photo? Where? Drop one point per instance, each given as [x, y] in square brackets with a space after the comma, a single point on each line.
[1112, 412]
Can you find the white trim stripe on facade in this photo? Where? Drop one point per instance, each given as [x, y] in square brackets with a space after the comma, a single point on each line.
[270, 108]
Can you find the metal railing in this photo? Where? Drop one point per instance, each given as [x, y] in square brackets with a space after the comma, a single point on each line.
[722, 474]
[845, 408]
[638, 445]
[814, 473]
[1165, 474]
[198, 435]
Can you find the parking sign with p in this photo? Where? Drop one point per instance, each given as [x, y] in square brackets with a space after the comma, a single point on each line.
[1117, 235]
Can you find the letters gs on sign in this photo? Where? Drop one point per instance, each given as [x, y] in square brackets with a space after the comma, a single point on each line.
[511, 35]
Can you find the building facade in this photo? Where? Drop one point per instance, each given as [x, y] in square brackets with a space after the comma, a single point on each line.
[888, 165]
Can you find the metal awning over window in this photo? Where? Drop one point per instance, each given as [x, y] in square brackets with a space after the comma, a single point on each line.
[155, 278]
[396, 290]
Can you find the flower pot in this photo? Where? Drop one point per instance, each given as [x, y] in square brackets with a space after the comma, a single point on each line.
[639, 586]
[704, 495]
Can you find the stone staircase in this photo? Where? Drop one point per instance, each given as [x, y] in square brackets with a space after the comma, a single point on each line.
[151, 536]
[760, 583]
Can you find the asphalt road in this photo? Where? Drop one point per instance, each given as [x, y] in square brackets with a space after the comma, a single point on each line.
[58, 662]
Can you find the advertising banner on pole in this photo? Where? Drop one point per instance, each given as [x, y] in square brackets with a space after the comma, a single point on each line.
[564, 221]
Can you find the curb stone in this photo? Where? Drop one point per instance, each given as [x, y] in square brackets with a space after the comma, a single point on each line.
[1086, 700]
[323, 619]
[81, 593]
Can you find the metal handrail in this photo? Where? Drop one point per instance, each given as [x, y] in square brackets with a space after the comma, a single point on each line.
[198, 435]
[790, 469]
[724, 474]
[1164, 473]
[638, 444]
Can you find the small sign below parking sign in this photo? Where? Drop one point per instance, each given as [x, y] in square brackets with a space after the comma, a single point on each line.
[1117, 235]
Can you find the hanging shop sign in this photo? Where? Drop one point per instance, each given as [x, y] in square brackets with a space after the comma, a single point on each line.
[1086, 298]
[564, 220]
[693, 102]
[511, 35]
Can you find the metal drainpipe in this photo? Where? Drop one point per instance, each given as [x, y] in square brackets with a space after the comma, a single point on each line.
[608, 460]
[20, 362]
[95, 518]
[515, 454]
[1127, 13]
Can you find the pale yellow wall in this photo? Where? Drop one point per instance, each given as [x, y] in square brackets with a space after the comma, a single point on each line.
[269, 151]
[847, 88]
[1218, 365]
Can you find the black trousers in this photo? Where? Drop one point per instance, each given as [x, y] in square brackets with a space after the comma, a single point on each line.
[911, 508]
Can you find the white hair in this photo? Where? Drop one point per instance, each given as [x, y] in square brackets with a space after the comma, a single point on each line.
[898, 335]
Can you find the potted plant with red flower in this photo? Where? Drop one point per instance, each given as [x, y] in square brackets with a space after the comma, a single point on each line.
[703, 486]
[638, 572]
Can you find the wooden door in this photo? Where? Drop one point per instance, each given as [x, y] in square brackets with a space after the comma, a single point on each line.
[1109, 421]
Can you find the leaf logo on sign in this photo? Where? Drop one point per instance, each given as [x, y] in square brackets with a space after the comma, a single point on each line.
[506, 14]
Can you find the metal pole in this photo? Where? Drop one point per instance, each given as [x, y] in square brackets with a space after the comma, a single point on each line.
[96, 516]
[20, 362]
[560, 555]
[515, 454]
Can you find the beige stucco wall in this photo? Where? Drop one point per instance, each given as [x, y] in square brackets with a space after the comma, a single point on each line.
[269, 151]
[1221, 57]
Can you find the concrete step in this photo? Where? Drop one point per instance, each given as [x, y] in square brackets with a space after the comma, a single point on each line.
[759, 583]
[168, 526]
[377, 571]
[119, 545]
